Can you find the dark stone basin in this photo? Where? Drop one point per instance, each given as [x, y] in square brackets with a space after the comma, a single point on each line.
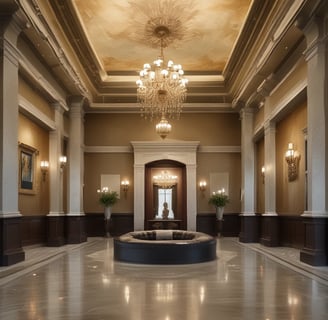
[164, 247]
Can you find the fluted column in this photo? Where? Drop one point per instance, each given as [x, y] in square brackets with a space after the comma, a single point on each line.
[315, 218]
[75, 216]
[247, 163]
[10, 218]
[191, 194]
[269, 220]
[249, 228]
[270, 168]
[56, 216]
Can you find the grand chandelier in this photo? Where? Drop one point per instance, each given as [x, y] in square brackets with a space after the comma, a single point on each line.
[165, 180]
[162, 87]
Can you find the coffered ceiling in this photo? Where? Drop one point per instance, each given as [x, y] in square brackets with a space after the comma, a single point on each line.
[219, 43]
[113, 43]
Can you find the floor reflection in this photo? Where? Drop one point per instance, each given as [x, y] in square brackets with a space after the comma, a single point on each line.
[87, 284]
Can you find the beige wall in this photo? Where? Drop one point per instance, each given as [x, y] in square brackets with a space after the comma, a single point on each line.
[31, 134]
[107, 163]
[291, 194]
[34, 97]
[119, 129]
[208, 163]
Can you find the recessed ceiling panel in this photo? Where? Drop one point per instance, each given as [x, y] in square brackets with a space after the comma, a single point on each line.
[203, 32]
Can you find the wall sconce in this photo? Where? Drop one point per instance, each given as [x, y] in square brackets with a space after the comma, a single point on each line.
[263, 173]
[202, 185]
[62, 161]
[292, 157]
[44, 165]
[125, 185]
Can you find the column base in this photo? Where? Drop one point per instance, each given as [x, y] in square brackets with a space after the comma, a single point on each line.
[75, 226]
[315, 248]
[55, 231]
[269, 231]
[11, 250]
[249, 229]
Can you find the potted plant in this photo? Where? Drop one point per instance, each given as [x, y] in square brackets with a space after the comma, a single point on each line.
[107, 199]
[219, 200]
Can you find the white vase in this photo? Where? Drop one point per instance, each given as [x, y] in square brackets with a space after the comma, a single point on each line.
[219, 213]
[107, 213]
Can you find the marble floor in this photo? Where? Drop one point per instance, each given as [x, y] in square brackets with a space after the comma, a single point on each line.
[83, 282]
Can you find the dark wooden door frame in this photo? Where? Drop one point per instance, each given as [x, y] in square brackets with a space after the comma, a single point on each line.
[176, 168]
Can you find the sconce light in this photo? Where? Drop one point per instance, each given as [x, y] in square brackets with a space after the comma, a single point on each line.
[263, 173]
[292, 158]
[125, 185]
[202, 185]
[44, 168]
[62, 161]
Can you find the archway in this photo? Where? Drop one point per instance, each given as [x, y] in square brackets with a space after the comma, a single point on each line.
[176, 195]
[149, 151]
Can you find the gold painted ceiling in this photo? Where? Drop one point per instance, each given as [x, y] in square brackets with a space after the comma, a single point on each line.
[217, 42]
[116, 31]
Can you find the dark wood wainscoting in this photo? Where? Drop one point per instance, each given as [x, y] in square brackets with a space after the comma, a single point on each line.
[11, 250]
[291, 231]
[120, 223]
[206, 222]
[33, 230]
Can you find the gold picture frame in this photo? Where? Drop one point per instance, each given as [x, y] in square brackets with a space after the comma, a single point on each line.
[27, 159]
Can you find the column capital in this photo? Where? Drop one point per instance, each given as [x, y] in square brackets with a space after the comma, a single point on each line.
[246, 113]
[269, 126]
[316, 35]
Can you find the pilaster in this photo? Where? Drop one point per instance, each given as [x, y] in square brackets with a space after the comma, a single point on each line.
[75, 216]
[10, 236]
[248, 219]
[315, 250]
[270, 168]
[247, 163]
[56, 216]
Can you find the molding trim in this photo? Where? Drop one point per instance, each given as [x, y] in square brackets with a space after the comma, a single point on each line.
[27, 107]
[219, 149]
[126, 149]
[108, 149]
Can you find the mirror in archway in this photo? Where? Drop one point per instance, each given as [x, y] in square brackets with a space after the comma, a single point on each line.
[164, 202]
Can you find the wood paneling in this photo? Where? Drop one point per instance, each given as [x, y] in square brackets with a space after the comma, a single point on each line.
[55, 231]
[121, 223]
[291, 231]
[207, 223]
[33, 230]
[75, 229]
[11, 250]
[249, 229]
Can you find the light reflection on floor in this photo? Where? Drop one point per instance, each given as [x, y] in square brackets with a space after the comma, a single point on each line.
[85, 283]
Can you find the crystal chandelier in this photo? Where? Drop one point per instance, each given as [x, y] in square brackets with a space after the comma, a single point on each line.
[161, 89]
[165, 180]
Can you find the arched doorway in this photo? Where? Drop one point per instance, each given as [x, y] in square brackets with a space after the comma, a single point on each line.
[176, 195]
[149, 151]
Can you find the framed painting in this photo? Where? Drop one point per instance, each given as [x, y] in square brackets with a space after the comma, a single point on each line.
[26, 168]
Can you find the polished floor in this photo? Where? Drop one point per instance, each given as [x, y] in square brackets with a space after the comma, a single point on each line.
[83, 282]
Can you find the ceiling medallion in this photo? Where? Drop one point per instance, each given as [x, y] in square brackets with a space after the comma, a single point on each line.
[162, 87]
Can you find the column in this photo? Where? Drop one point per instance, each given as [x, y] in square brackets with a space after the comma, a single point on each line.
[75, 217]
[269, 220]
[191, 194]
[56, 216]
[248, 232]
[139, 196]
[10, 219]
[315, 219]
